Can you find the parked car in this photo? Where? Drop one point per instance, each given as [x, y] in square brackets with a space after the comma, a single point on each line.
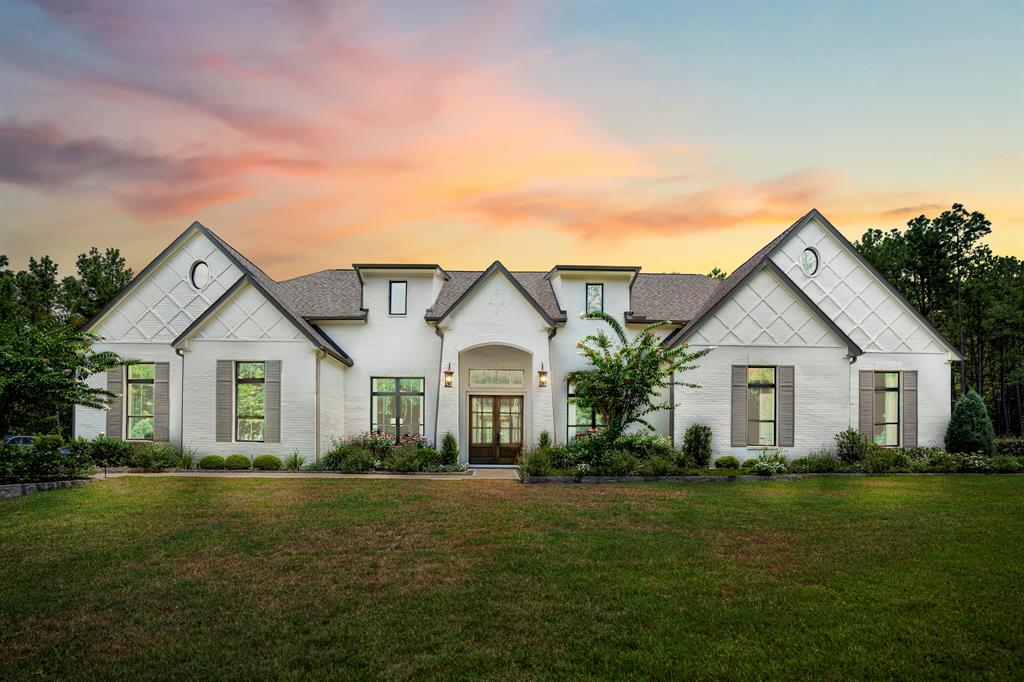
[19, 440]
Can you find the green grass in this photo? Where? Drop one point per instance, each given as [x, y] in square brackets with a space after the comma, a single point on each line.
[907, 577]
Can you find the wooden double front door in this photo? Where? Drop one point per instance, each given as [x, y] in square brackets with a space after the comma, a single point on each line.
[495, 429]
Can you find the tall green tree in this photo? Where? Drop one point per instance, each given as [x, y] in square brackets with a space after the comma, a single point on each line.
[627, 375]
[100, 277]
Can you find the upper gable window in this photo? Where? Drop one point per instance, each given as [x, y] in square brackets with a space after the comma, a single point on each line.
[397, 302]
[809, 261]
[199, 275]
[595, 298]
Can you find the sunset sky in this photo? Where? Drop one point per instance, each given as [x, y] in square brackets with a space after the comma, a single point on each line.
[675, 136]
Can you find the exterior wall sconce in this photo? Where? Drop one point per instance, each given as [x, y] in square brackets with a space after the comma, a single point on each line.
[449, 376]
[542, 377]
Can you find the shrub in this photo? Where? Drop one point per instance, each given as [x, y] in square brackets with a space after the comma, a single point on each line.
[266, 463]
[885, 460]
[109, 452]
[380, 444]
[450, 450]
[769, 462]
[645, 445]
[211, 462]
[294, 461]
[1003, 464]
[237, 462]
[822, 462]
[45, 460]
[589, 448]
[697, 444]
[154, 456]
[851, 446]
[187, 458]
[403, 459]
[352, 459]
[563, 457]
[536, 463]
[746, 464]
[1010, 446]
[617, 463]
[657, 466]
[727, 462]
[544, 440]
[970, 429]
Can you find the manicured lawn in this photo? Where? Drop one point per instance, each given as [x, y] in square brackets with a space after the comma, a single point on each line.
[909, 577]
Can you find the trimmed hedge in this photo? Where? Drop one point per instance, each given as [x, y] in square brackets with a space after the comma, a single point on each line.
[266, 463]
[47, 459]
[236, 462]
[727, 462]
[211, 462]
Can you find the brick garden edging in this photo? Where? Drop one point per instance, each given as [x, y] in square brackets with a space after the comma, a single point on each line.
[9, 492]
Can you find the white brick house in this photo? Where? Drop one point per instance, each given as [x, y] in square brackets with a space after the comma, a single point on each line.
[808, 340]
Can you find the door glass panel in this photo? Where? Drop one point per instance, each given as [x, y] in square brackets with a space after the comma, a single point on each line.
[482, 422]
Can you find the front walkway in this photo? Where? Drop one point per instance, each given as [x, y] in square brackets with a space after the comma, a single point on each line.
[487, 474]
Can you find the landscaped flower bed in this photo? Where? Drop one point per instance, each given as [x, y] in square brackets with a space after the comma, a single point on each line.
[380, 452]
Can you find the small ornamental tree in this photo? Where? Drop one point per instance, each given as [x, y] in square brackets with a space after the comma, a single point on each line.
[627, 374]
[970, 429]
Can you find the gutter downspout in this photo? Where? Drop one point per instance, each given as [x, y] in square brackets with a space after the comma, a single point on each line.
[181, 409]
[319, 358]
[440, 382]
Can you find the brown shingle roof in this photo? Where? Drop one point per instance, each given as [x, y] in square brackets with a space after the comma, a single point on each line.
[459, 282]
[665, 296]
[329, 294]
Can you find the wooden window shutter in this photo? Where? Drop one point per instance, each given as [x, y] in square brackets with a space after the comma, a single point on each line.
[272, 416]
[739, 406]
[909, 384]
[225, 407]
[115, 411]
[785, 388]
[161, 402]
[866, 409]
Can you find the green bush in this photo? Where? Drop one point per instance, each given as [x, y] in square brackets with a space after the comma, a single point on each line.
[294, 461]
[563, 457]
[697, 444]
[588, 448]
[746, 464]
[536, 462]
[109, 452]
[237, 462]
[970, 429]
[404, 459]
[823, 462]
[851, 446]
[1010, 446]
[727, 462]
[1004, 464]
[645, 445]
[657, 466]
[266, 463]
[47, 459]
[885, 460]
[380, 444]
[544, 440]
[450, 450]
[154, 456]
[211, 462]
[617, 463]
[352, 459]
[768, 463]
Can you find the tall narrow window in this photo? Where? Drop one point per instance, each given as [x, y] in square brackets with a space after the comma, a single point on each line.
[396, 406]
[887, 408]
[397, 298]
[760, 406]
[581, 420]
[140, 401]
[250, 401]
[595, 298]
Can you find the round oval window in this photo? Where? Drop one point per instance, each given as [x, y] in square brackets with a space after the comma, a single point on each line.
[809, 261]
[200, 274]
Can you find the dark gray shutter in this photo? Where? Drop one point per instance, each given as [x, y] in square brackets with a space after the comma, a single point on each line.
[161, 402]
[115, 411]
[785, 381]
[272, 398]
[739, 406]
[909, 385]
[866, 410]
[225, 381]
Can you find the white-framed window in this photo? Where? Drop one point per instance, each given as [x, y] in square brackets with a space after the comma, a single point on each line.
[595, 298]
[139, 422]
[250, 401]
[397, 297]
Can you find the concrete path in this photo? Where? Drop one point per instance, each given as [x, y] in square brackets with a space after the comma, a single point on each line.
[477, 474]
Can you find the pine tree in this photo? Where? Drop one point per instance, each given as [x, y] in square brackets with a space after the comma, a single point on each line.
[970, 429]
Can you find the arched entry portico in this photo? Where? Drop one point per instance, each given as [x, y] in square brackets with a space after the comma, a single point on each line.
[495, 403]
